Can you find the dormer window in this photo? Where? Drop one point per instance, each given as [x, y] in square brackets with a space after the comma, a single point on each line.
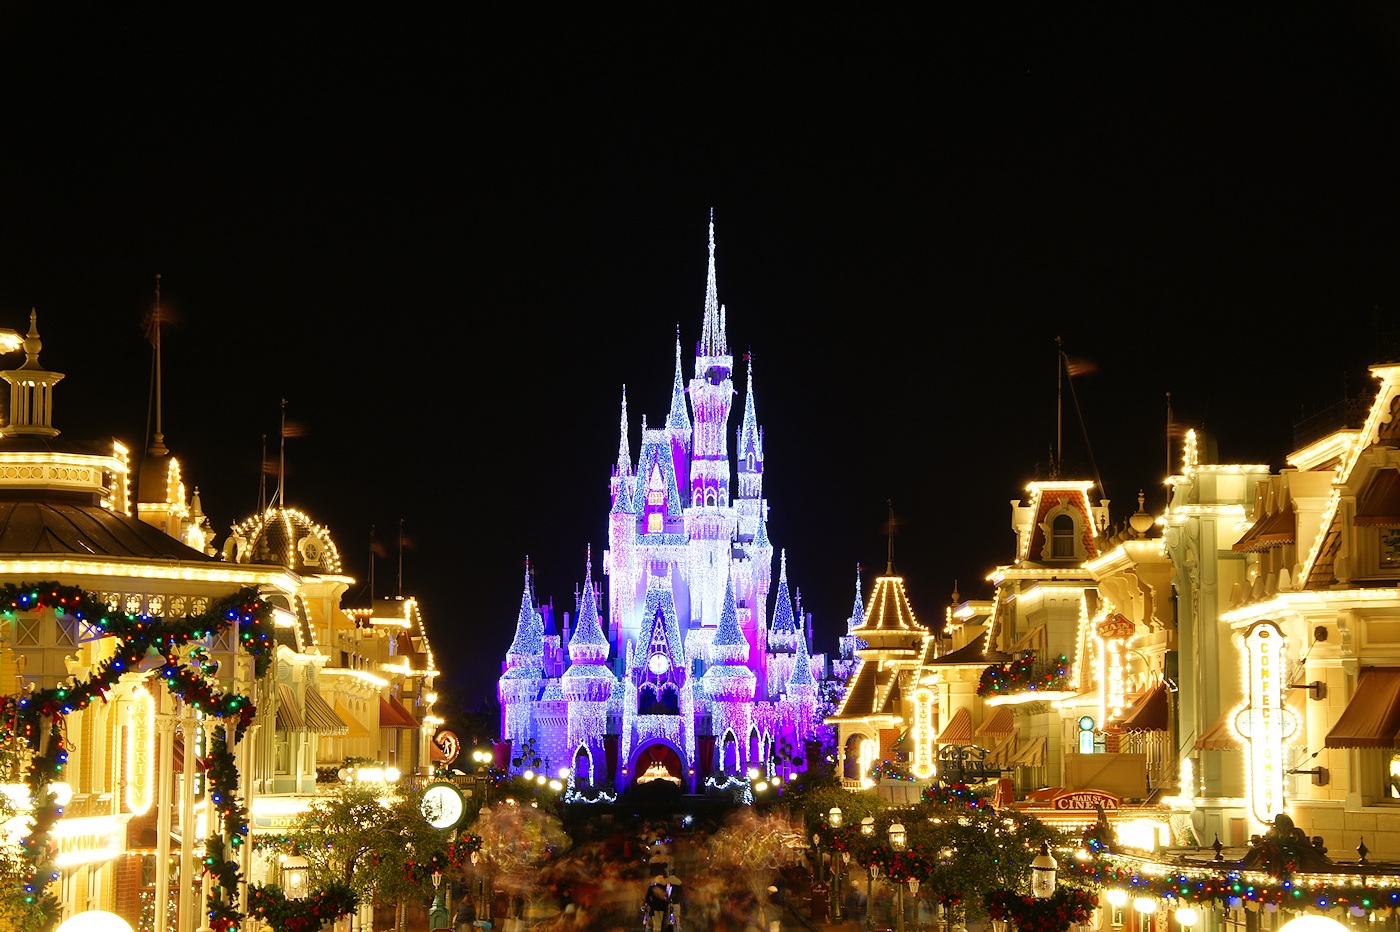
[1062, 537]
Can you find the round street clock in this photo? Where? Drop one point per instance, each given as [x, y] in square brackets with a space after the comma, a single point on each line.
[443, 804]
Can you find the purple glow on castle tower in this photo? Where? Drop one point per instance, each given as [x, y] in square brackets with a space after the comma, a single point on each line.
[687, 678]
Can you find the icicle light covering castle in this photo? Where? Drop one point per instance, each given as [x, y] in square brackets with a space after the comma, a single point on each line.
[678, 673]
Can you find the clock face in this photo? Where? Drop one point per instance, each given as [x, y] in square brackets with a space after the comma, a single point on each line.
[442, 805]
[659, 664]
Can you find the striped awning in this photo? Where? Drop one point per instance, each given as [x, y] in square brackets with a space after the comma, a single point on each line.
[1030, 754]
[321, 719]
[288, 712]
[355, 729]
[998, 725]
[392, 714]
[1001, 752]
[958, 730]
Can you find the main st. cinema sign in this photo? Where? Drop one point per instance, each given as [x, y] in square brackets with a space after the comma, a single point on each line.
[1085, 801]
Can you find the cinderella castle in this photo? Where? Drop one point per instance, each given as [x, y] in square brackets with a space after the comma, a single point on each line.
[677, 672]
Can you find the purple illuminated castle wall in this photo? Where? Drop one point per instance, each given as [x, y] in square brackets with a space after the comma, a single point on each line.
[677, 672]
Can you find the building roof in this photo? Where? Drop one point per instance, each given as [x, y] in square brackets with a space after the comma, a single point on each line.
[87, 530]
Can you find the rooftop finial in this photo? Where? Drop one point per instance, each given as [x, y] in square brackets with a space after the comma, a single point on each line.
[153, 328]
[889, 529]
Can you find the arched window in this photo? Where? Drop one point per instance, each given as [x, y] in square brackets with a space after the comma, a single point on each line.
[851, 770]
[1062, 537]
[710, 497]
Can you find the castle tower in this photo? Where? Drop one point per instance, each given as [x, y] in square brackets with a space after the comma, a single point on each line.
[729, 684]
[519, 685]
[587, 686]
[711, 520]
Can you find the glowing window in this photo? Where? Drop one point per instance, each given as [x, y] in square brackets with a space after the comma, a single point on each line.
[654, 522]
[1062, 537]
[656, 497]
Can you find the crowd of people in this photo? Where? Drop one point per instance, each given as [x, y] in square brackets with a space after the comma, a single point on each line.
[645, 880]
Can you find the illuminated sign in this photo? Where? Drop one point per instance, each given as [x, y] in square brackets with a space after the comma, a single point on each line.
[1265, 723]
[1085, 801]
[1117, 626]
[140, 751]
[923, 736]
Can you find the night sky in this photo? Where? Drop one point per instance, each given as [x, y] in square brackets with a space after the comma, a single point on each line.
[449, 242]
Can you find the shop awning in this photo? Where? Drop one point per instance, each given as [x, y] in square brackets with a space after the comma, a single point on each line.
[1281, 527]
[1151, 712]
[355, 729]
[320, 717]
[998, 725]
[958, 730]
[1220, 736]
[1030, 754]
[1379, 505]
[1372, 717]
[1000, 754]
[288, 713]
[392, 714]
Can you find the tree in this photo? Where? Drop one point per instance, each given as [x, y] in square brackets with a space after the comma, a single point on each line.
[371, 838]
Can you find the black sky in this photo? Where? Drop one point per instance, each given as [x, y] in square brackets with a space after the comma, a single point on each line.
[449, 241]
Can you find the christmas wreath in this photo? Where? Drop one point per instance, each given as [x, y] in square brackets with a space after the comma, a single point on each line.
[1066, 906]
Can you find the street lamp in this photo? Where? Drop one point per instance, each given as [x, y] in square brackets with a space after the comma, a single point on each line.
[897, 839]
[295, 871]
[1187, 917]
[867, 828]
[838, 875]
[1145, 906]
[438, 916]
[1043, 870]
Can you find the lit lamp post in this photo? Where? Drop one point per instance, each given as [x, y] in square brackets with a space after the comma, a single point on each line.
[1187, 917]
[838, 864]
[1145, 906]
[897, 840]
[867, 828]
[1043, 871]
[295, 872]
[438, 916]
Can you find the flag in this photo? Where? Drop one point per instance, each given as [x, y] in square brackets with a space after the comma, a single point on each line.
[1076, 366]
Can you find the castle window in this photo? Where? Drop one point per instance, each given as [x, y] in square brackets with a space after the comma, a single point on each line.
[1062, 537]
[654, 522]
[710, 497]
[656, 497]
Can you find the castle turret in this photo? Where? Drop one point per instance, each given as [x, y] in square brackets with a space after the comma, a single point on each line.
[730, 685]
[519, 685]
[588, 684]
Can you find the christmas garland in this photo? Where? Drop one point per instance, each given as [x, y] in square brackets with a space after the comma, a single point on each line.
[1066, 906]
[958, 794]
[889, 770]
[328, 904]
[38, 717]
[1231, 888]
[1021, 676]
[457, 854]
